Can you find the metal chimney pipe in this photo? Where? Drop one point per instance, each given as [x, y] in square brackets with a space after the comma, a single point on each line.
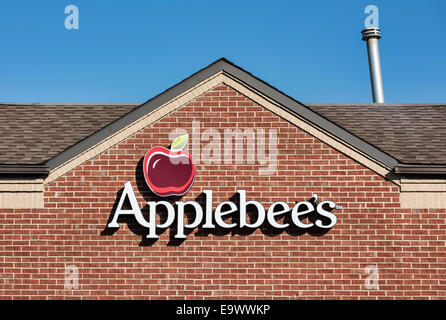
[371, 35]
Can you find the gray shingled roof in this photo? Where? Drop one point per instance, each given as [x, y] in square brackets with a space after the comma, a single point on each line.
[411, 133]
[32, 133]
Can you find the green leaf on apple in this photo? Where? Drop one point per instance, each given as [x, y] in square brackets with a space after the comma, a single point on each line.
[180, 142]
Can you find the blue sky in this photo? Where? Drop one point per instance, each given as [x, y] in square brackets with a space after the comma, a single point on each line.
[129, 51]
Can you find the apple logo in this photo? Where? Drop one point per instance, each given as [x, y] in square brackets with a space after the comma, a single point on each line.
[169, 172]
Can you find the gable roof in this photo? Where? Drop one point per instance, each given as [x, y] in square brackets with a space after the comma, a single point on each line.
[76, 128]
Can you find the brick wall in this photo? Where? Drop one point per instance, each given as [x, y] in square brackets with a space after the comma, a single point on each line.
[406, 245]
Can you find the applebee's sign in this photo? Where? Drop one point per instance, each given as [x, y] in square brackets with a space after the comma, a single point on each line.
[171, 172]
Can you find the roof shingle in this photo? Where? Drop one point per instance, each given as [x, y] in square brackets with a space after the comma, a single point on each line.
[34, 133]
[411, 133]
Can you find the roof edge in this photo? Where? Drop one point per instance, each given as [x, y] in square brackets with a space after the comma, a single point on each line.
[74, 104]
[370, 104]
[24, 169]
[420, 169]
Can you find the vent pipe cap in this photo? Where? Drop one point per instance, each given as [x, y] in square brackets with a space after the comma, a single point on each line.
[370, 33]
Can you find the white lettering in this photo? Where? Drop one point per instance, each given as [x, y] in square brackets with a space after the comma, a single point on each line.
[180, 217]
[134, 210]
[260, 211]
[219, 213]
[206, 215]
[272, 214]
[326, 214]
[295, 214]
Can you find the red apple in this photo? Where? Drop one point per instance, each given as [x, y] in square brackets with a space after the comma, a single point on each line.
[168, 172]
